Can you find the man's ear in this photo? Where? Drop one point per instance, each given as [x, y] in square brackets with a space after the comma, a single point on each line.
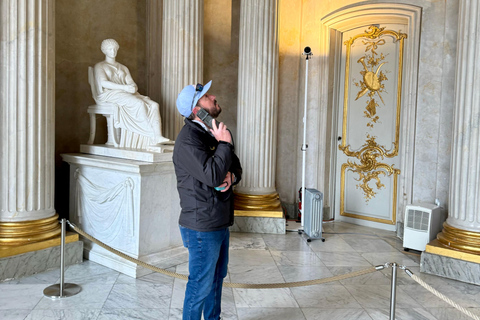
[195, 110]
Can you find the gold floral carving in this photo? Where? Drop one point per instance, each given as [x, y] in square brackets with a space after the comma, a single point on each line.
[369, 168]
[372, 79]
[373, 76]
[372, 85]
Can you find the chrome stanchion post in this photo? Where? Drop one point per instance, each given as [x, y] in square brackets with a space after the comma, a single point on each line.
[393, 292]
[62, 257]
[62, 290]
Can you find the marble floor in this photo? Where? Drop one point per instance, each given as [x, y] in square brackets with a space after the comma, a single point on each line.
[257, 258]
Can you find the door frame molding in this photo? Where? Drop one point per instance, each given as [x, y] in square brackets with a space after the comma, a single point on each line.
[353, 16]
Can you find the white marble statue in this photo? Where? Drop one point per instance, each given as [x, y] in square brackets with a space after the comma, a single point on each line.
[137, 116]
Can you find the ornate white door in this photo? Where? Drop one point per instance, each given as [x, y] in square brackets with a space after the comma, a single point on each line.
[368, 128]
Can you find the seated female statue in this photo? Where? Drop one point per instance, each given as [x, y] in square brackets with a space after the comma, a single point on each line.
[137, 116]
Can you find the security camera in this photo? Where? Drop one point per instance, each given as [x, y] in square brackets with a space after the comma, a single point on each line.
[307, 52]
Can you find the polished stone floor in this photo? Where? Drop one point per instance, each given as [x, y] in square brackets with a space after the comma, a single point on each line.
[257, 258]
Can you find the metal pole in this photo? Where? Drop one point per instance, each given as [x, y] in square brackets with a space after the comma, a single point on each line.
[62, 290]
[307, 51]
[393, 293]
[62, 257]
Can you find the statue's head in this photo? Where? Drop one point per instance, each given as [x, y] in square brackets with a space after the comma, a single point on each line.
[109, 43]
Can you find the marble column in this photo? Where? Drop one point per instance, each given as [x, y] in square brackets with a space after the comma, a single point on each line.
[462, 228]
[182, 57]
[27, 79]
[257, 105]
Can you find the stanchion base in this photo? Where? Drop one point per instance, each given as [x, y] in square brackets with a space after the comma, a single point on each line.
[69, 289]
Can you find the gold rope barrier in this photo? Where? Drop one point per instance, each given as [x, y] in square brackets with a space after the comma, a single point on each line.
[443, 297]
[227, 284]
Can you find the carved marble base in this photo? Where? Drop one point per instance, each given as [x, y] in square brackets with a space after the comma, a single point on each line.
[259, 225]
[29, 263]
[158, 153]
[445, 262]
[164, 259]
[450, 268]
[130, 205]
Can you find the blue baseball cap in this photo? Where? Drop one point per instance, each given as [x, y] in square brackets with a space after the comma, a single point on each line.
[187, 99]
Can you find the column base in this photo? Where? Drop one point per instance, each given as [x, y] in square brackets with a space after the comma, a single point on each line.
[259, 214]
[442, 261]
[25, 260]
[8, 251]
[257, 202]
[458, 239]
[27, 232]
[259, 225]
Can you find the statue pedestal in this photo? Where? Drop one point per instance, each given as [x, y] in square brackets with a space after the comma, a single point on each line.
[131, 154]
[132, 206]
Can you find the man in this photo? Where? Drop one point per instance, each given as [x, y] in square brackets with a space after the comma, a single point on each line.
[206, 167]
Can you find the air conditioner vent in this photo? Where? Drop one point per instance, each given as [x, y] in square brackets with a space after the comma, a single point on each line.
[418, 220]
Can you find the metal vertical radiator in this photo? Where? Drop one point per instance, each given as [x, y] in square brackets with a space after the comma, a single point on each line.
[313, 214]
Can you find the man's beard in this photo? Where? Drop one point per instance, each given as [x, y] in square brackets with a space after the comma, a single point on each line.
[216, 110]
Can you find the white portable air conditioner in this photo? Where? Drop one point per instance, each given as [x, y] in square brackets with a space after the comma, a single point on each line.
[313, 214]
[423, 221]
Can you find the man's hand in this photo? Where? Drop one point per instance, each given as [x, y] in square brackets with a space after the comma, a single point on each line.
[221, 133]
[227, 182]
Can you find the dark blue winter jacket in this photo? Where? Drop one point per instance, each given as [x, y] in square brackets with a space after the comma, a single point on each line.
[201, 163]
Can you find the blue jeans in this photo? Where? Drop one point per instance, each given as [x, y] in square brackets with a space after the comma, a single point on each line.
[208, 260]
